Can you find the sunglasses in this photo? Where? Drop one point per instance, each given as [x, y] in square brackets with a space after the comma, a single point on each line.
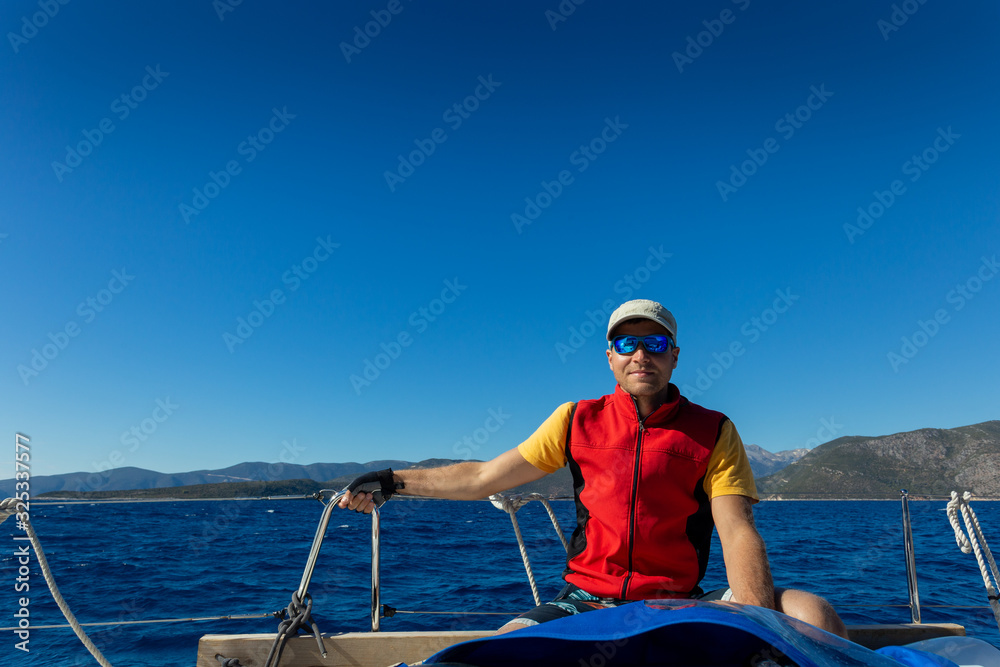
[628, 344]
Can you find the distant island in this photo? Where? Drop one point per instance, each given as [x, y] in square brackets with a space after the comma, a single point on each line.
[927, 462]
[557, 485]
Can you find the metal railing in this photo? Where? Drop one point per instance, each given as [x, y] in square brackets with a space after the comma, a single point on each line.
[911, 569]
[911, 565]
[324, 522]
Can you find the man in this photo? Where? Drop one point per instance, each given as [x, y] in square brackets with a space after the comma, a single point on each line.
[652, 474]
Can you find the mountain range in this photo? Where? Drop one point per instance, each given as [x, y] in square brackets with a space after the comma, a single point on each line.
[764, 463]
[263, 478]
[129, 478]
[930, 462]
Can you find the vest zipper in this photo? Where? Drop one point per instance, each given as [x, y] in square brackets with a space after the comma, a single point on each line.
[632, 508]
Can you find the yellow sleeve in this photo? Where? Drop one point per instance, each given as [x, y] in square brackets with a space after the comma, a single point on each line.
[729, 471]
[546, 448]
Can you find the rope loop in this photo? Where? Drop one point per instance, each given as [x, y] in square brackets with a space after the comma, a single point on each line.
[952, 510]
[8, 503]
[299, 617]
[508, 504]
[972, 539]
[8, 508]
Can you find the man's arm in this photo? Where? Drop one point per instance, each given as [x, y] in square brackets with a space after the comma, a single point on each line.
[744, 551]
[471, 480]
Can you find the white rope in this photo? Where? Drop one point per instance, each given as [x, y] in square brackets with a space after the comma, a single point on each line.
[510, 505]
[8, 508]
[970, 516]
[952, 510]
[555, 521]
[12, 506]
[975, 542]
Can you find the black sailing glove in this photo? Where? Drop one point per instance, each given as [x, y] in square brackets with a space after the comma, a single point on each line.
[379, 483]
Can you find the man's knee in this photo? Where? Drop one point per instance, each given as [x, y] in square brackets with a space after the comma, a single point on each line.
[511, 626]
[809, 608]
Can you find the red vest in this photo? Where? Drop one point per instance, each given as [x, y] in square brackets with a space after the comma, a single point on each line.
[644, 523]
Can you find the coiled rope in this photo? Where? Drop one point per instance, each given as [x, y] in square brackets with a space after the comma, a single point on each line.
[510, 505]
[299, 616]
[11, 506]
[975, 542]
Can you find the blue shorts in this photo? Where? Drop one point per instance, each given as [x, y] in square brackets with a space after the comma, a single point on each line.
[574, 600]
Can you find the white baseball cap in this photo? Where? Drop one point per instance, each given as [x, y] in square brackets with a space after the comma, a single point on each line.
[643, 309]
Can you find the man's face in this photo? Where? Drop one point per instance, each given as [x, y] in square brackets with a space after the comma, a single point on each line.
[642, 373]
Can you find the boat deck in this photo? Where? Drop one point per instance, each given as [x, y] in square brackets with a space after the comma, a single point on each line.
[380, 649]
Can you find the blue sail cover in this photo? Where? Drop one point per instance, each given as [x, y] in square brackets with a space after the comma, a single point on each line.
[684, 632]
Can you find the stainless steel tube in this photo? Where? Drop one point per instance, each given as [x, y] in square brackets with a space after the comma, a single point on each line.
[317, 543]
[376, 601]
[911, 564]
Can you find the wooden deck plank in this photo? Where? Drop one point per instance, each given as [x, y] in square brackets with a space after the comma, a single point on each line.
[381, 649]
[352, 649]
[895, 634]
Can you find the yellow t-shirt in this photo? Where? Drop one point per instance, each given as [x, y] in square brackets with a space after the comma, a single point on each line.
[728, 472]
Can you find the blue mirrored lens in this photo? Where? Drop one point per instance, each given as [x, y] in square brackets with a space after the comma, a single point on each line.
[655, 343]
[628, 344]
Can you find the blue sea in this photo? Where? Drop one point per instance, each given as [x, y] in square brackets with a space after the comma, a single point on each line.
[196, 559]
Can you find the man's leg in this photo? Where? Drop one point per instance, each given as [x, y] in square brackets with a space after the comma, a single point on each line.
[511, 625]
[570, 601]
[809, 608]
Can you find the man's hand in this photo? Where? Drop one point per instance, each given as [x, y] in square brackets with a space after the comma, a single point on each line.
[363, 502]
[369, 491]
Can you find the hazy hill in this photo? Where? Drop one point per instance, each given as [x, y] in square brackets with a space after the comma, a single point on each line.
[259, 478]
[262, 479]
[559, 484]
[928, 461]
[127, 478]
[287, 487]
[764, 463]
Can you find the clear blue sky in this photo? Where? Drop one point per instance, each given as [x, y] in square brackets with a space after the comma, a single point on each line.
[249, 159]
